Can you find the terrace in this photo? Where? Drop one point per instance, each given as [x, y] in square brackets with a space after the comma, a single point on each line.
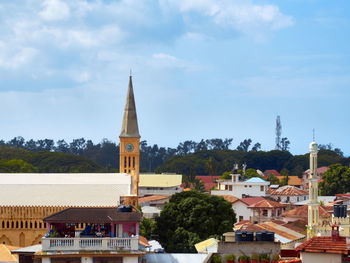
[92, 229]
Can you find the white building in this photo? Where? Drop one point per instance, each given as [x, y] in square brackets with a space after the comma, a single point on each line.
[254, 186]
[160, 184]
[288, 194]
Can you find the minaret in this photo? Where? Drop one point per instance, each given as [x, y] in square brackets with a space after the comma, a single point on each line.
[313, 192]
[130, 143]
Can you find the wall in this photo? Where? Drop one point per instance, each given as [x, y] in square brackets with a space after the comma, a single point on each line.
[240, 189]
[22, 225]
[241, 209]
[248, 248]
[320, 257]
[167, 191]
[292, 199]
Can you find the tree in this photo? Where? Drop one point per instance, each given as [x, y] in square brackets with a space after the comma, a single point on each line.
[191, 217]
[244, 146]
[147, 227]
[198, 185]
[252, 173]
[211, 165]
[226, 175]
[256, 147]
[273, 179]
[285, 144]
[16, 166]
[336, 180]
[285, 173]
[298, 171]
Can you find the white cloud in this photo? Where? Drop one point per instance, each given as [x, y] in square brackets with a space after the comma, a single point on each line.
[243, 16]
[15, 57]
[54, 10]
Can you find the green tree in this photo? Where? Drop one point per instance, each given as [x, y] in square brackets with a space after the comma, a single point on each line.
[16, 166]
[285, 173]
[211, 165]
[191, 217]
[252, 173]
[298, 171]
[226, 175]
[198, 185]
[336, 180]
[147, 227]
[273, 179]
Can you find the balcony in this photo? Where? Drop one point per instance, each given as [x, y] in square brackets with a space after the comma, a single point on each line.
[90, 244]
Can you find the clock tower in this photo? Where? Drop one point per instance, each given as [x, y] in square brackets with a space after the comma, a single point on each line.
[130, 143]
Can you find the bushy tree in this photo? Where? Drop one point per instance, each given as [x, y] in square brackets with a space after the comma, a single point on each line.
[191, 217]
[336, 180]
[147, 227]
[285, 174]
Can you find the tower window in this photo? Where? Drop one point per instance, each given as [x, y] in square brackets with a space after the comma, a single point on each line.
[125, 162]
[133, 162]
[129, 162]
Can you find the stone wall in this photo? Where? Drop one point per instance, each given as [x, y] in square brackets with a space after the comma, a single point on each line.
[249, 248]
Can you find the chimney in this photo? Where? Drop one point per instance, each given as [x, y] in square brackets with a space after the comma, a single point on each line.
[335, 233]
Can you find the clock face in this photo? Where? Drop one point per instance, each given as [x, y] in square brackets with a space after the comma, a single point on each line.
[129, 147]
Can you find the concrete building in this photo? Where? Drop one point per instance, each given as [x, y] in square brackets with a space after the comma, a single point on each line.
[288, 194]
[266, 210]
[160, 184]
[239, 188]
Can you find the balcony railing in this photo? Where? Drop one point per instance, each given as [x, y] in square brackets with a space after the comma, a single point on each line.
[91, 244]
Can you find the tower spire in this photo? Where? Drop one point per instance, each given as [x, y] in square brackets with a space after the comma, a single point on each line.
[130, 126]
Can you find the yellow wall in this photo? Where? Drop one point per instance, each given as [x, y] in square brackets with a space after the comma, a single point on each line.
[22, 225]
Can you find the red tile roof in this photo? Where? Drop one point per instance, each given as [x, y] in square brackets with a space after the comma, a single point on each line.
[324, 244]
[208, 180]
[152, 198]
[252, 200]
[293, 180]
[230, 198]
[267, 204]
[143, 241]
[274, 172]
[288, 190]
[302, 212]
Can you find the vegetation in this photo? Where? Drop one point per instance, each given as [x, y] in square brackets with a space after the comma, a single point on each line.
[336, 180]
[191, 217]
[147, 227]
[230, 257]
[216, 259]
[16, 160]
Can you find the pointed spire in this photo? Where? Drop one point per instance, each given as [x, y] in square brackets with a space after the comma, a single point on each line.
[130, 127]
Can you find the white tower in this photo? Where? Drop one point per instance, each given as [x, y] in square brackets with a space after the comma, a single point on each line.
[313, 192]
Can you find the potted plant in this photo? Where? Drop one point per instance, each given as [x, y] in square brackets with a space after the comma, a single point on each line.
[254, 258]
[275, 258]
[264, 258]
[216, 259]
[230, 258]
[243, 259]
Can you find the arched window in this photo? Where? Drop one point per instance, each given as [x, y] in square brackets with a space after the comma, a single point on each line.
[3, 224]
[16, 224]
[26, 224]
[21, 224]
[30, 225]
[7, 224]
[40, 225]
[35, 225]
[12, 224]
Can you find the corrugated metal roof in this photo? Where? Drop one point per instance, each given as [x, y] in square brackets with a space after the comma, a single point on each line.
[63, 189]
[5, 254]
[255, 180]
[160, 180]
[202, 247]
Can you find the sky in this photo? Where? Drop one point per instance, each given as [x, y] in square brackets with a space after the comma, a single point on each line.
[201, 69]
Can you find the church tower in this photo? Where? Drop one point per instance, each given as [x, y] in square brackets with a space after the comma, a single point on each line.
[313, 192]
[130, 144]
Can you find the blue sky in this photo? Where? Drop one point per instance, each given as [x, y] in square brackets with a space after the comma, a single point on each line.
[201, 69]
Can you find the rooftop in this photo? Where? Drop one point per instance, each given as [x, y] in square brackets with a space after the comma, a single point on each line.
[160, 180]
[324, 244]
[93, 215]
[255, 180]
[267, 204]
[302, 212]
[152, 198]
[252, 200]
[293, 180]
[288, 190]
[5, 254]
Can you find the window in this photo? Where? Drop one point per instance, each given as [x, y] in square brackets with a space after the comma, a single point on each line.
[261, 188]
[230, 188]
[287, 199]
[108, 260]
[240, 218]
[264, 212]
[245, 186]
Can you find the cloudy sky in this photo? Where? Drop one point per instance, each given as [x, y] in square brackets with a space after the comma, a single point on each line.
[201, 69]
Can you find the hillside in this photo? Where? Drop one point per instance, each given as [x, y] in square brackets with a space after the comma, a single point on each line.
[20, 160]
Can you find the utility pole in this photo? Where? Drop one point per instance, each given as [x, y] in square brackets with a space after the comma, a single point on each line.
[278, 133]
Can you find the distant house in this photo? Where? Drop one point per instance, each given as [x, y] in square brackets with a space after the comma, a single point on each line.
[301, 213]
[288, 194]
[160, 184]
[241, 206]
[274, 172]
[239, 188]
[209, 181]
[266, 210]
[320, 171]
[292, 180]
[324, 248]
[152, 205]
